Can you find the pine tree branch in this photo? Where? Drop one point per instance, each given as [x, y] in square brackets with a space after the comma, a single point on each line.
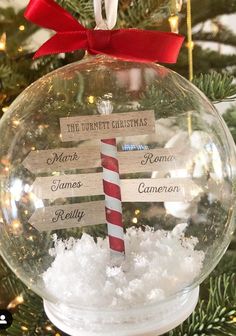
[163, 100]
[10, 285]
[217, 87]
[83, 10]
[230, 119]
[215, 314]
[144, 14]
[10, 23]
[205, 60]
[134, 14]
[5, 71]
[30, 319]
[227, 265]
[224, 36]
[212, 60]
[210, 9]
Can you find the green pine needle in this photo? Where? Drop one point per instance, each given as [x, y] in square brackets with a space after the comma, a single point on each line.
[144, 14]
[5, 71]
[214, 315]
[216, 86]
[230, 119]
[136, 14]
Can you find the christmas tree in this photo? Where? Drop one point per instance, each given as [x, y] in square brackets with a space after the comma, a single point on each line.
[216, 310]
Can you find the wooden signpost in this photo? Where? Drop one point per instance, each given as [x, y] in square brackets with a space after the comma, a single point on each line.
[107, 126]
[91, 184]
[161, 159]
[68, 216]
[40, 161]
[56, 160]
[76, 185]
[159, 190]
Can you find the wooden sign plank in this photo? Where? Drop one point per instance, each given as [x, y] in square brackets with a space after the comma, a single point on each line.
[50, 160]
[107, 126]
[63, 159]
[53, 187]
[159, 190]
[160, 159]
[68, 216]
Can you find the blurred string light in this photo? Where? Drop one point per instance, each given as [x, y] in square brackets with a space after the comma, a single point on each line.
[5, 108]
[174, 18]
[15, 122]
[15, 302]
[16, 227]
[21, 27]
[24, 328]
[135, 219]
[91, 99]
[174, 23]
[3, 42]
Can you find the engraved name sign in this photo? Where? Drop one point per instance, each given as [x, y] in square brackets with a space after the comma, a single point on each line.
[160, 159]
[68, 216]
[107, 126]
[63, 159]
[53, 187]
[159, 190]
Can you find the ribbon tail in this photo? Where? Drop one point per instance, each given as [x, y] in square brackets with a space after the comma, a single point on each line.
[62, 43]
[48, 14]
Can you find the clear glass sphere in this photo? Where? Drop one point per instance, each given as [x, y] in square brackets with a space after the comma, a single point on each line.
[173, 237]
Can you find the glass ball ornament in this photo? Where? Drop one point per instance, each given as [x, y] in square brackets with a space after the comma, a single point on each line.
[176, 169]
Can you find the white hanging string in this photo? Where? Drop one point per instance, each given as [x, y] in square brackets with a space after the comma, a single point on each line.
[111, 8]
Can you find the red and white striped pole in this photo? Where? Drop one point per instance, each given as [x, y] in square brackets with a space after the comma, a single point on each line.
[111, 176]
[112, 191]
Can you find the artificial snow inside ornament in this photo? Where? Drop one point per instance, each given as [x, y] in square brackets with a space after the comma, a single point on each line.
[94, 171]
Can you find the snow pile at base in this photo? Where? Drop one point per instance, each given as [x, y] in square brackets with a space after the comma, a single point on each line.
[157, 264]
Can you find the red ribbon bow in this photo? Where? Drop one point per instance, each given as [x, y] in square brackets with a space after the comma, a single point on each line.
[128, 44]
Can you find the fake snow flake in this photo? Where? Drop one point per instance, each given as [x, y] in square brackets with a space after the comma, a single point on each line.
[157, 264]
